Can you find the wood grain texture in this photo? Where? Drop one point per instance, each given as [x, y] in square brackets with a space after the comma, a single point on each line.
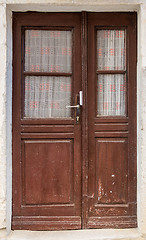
[112, 222]
[112, 139]
[111, 170]
[68, 175]
[46, 152]
[46, 223]
[44, 162]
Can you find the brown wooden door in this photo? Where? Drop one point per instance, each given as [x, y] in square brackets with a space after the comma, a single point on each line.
[112, 120]
[74, 167]
[46, 137]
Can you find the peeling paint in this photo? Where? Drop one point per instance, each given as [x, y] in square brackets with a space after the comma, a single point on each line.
[100, 191]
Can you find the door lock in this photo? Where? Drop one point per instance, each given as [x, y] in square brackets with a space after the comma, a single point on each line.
[77, 107]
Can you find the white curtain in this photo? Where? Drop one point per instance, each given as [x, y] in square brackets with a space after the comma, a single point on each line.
[111, 88]
[47, 97]
[111, 96]
[48, 51]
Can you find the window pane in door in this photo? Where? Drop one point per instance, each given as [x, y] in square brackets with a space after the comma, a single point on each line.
[47, 97]
[48, 51]
[111, 95]
[111, 50]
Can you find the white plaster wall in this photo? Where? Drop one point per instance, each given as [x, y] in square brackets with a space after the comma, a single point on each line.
[2, 116]
[6, 8]
[142, 80]
[9, 119]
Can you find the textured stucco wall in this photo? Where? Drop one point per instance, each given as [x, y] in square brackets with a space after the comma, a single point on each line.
[6, 8]
[2, 116]
[142, 133]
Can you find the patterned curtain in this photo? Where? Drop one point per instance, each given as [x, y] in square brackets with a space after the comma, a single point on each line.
[48, 52]
[111, 88]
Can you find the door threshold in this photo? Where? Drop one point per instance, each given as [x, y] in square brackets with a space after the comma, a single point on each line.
[86, 234]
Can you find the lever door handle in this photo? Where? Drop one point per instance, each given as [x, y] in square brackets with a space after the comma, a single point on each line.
[77, 108]
[74, 106]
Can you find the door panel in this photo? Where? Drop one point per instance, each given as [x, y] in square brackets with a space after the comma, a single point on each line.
[111, 120]
[111, 177]
[46, 137]
[43, 181]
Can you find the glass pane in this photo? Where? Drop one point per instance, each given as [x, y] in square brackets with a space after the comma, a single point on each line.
[111, 54]
[48, 51]
[47, 97]
[111, 95]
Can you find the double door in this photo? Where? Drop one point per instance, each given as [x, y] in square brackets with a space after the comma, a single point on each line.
[74, 120]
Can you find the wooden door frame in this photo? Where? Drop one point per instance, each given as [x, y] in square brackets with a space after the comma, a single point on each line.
[84, 119]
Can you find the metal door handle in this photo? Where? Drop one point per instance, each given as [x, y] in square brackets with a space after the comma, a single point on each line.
[77, 111]
[77, 107]
[74, 106]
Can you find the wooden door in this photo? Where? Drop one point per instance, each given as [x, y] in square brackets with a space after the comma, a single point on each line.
[46, 136]
[112, 120]
[74, 167]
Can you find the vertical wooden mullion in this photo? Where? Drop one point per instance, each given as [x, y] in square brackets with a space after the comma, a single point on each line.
[16, 121]
[22, 71]
[132, 109]
[84, 121]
